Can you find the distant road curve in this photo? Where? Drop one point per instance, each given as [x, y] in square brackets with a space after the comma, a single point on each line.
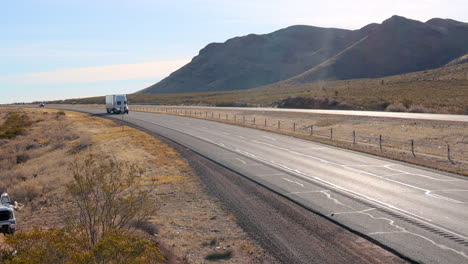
[425, 116]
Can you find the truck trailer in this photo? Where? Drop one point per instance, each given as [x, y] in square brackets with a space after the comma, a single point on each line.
[117, 104]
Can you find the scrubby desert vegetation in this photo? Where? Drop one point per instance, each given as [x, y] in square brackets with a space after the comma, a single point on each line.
[76, 211]
[145, 202]
[442, 90]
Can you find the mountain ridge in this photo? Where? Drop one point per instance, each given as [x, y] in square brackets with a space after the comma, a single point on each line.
[302, 54]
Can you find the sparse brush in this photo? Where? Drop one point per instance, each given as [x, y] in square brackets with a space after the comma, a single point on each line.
[26, 191]
[68, 246]
[118, 198]
[15, 124]
[146, 226]
[213, 242]
[21, 158]
[399, 107]
[224, 255]
[419, 109]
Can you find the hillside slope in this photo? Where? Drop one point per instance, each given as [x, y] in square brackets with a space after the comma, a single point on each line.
[303, 54]
[397, 46]
[257, 60]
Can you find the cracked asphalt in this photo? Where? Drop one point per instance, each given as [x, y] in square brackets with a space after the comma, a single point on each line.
[413, 211]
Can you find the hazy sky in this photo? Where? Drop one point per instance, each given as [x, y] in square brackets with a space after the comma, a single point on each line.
[56, 49]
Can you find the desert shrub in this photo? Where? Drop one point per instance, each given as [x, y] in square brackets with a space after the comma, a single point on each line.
[8, 178]
[21, 158]
[230, 104]
[213, 242]
[313, 103]
[122, 248]
[21, 174]
[64, 246]
[51, 246]
[407, 102]
[419, 109]
[14, 125]
[26, 192]
[107, 195]
[377, 105]
[60, 113]
[146, 226]
[399, 107]
[223, 255]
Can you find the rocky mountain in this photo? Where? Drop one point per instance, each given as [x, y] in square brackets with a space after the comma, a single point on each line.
[301, 54]
[397, 46]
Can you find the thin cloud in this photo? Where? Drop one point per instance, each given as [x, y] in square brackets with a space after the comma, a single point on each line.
[119, 72]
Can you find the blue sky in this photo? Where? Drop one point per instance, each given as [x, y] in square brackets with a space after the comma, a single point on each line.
[56, 49]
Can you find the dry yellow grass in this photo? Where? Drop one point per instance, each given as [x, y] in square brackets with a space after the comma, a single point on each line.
[183, 219]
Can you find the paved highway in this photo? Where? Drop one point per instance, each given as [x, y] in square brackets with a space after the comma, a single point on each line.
[421, 213]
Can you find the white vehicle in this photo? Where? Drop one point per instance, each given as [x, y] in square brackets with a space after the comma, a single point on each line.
[7, 215]
[117, 104]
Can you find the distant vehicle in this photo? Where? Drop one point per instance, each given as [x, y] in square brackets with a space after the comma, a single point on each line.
[41, 105]
[7, 215]
[117, 104]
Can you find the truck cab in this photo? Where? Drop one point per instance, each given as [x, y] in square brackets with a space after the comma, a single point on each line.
[117, 104]
[7, 215]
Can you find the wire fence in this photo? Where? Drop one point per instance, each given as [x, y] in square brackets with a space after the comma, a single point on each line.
[328, 133]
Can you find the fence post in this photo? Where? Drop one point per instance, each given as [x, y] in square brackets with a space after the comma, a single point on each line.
[279, 125]
[227, 116]
[254, 121]
[311, 130]
[412, 148]
[380, 142]
[294, 127]
[354, 137]
[219, 115]
[448, 153]
[243, 119]
[265, 122]
[331, 133]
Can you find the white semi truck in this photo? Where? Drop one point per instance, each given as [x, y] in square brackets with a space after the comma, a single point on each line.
[117, 104]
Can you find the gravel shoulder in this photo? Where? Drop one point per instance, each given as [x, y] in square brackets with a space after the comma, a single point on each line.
[288, 232]
[190, 225]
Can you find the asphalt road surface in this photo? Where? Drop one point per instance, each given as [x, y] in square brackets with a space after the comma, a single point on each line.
[418, 212]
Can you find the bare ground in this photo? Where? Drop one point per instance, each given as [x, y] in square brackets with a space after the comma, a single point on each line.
[190, 225]
[290, 233]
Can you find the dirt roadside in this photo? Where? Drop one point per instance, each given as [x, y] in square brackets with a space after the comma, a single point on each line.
[190, 225]
[290, 233]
